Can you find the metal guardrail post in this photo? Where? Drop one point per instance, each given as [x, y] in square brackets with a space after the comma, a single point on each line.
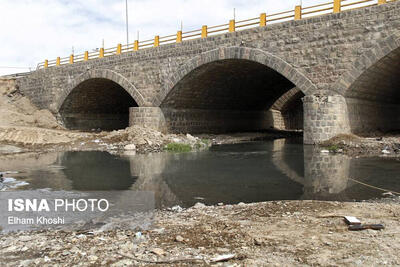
[297, 13]
[263, 20]
[136, 46]
[232, 26]
[204, 31]
[179, 37]
[337, 6]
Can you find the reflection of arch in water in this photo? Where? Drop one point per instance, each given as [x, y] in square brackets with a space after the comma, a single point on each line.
[96, 170]
[280, 163]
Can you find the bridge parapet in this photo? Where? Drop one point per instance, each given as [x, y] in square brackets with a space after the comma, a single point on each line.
[345, 56]
[263, 20]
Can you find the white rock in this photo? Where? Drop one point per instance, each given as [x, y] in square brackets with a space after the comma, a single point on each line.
[179, 238]
[385, 151]
[191, 137]
[138, 235]
[199, 205]
[177, 208]
[130, 147]
[324, 151]
[92, 258]
[158, 251]
[223, 257]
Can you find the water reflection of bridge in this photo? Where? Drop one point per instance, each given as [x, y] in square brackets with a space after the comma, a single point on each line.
[321, 176]
[324, 174]
[270, 171]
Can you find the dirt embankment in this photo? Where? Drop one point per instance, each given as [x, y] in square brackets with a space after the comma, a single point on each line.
[23, 127]
[17, 110]
[382, 145]
[288, 233]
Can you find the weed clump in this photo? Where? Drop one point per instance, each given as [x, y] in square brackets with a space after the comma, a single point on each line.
[178, 148]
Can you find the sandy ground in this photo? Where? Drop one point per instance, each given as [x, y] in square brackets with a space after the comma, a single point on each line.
[17, 110]
[284, 233]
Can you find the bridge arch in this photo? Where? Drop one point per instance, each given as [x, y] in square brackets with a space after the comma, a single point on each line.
[98, 99]
[242, 53]
[372, 89]
[228, 90]
[102, 74]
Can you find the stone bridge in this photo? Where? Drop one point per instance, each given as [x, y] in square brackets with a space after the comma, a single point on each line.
[328, 74]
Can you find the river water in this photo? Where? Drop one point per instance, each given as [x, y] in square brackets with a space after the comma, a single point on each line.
[281, 169]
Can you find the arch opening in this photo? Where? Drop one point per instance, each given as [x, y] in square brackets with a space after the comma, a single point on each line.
[97, 104]
[229, 95]
[288, 113]
[373, 99]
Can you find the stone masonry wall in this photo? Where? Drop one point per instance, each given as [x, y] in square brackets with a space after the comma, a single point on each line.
[321, 56]
[324, 118]
[320, 48]
[216, 121]
[150, 117]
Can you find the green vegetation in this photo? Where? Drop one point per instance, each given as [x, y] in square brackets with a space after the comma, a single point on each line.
[207, 142]
[178, 148]
[333, 148]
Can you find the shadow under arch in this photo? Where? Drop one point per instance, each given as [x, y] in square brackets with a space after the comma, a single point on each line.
[102, 74]
[371, 89]
[382, 49]
[98, 99]
[251, 54]
[228, 90]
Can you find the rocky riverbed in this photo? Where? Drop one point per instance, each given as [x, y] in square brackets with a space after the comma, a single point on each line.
[297, 233]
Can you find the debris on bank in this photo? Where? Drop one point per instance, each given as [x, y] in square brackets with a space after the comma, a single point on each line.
[294, 233]
[353, 145]
[132, 139]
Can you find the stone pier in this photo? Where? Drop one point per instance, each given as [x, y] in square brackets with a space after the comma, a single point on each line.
[324, 117]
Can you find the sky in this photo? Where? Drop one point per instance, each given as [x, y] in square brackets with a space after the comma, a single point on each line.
[35, 30]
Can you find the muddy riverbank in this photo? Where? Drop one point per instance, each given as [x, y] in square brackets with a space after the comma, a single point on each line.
[300, 233]
[387, 145]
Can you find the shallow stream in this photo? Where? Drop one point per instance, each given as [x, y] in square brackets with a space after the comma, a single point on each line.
[280, 169]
